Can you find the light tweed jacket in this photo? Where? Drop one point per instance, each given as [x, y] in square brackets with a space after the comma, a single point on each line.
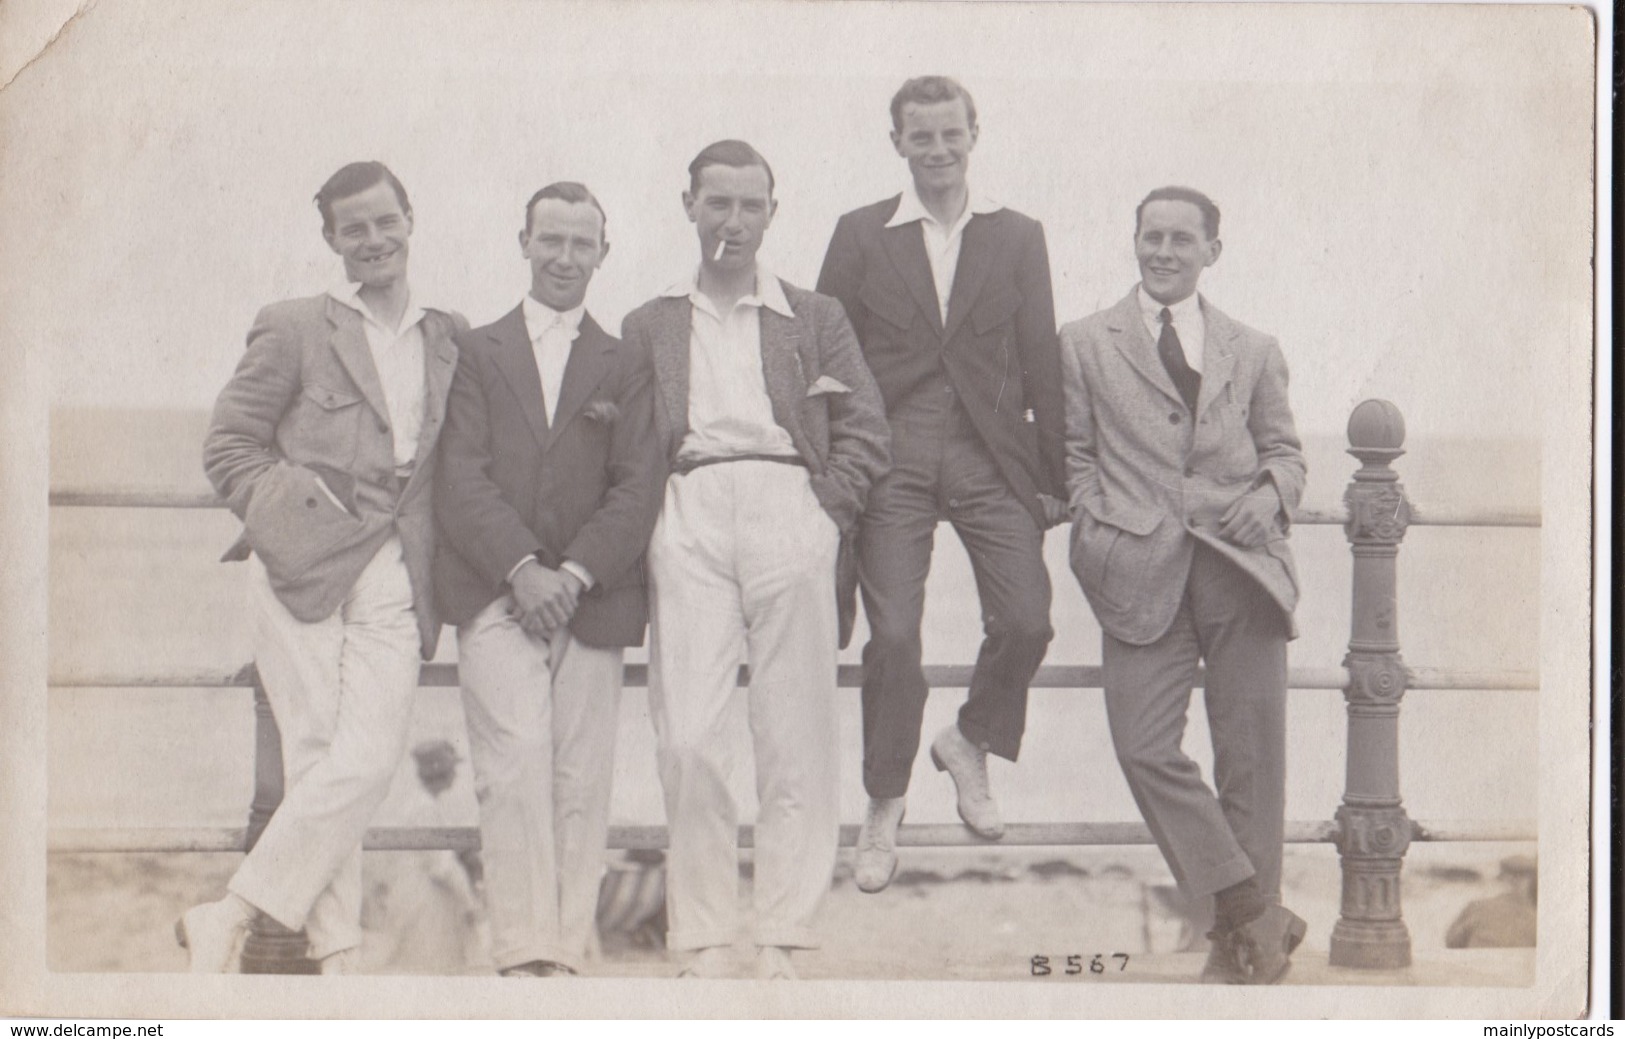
[821, 391]
[306, 399]
[1147, 479]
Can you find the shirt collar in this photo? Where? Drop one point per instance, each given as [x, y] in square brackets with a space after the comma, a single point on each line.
[539, 317]
[769, 292]
[910, 208]
[1186, 310]
[349, 294]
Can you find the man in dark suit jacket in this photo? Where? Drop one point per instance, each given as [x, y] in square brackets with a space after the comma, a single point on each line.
[1184, 466]
[549, 484]
[950, 296]
[323, 444]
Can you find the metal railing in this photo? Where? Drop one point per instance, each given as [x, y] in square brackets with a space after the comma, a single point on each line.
[1371, 829]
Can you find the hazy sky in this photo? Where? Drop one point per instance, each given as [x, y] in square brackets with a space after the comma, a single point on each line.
[1406, 191]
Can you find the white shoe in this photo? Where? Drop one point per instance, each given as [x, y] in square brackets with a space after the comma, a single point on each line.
[876, 858]
[951, 752]
[773, 964]
[345, 961]
[713, 962]
[213, 934]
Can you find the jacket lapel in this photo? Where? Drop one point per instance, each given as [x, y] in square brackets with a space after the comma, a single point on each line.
[517, 362]
[905, 245]
[1218, 355]
[590, 358]
[440, 364]
[1134, 343]
[783, 372]
[668, 348]
[974, 263]
[349, 343]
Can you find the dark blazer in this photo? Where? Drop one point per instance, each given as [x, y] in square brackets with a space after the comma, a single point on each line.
[587, 488]
[1149, 478]
[306, 398]
[998, 347]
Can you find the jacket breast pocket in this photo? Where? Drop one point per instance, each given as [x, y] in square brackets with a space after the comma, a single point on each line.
[897, 311]
[326, 427]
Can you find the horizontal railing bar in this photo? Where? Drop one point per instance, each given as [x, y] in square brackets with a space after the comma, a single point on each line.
[850, 676]
[653, 838]
[1335, 516]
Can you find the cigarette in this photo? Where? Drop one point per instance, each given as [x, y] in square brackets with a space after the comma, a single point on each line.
[722, 243]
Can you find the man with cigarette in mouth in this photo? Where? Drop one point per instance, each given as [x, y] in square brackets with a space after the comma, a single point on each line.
[950, 295]
[1185, 467]
[323, 443]
[774, 432]
[550, 478]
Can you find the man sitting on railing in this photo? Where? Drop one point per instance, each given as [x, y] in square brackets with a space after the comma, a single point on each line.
[323, 443]
[1183, 467]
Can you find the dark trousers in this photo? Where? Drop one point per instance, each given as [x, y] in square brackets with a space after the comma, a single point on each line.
[942, 470]
[1228, 620]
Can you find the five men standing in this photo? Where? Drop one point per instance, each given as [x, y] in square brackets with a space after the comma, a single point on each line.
[699, 479]
[950, 295]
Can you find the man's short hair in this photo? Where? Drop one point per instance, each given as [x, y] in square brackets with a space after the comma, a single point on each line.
[727, 153]
[353, 180]
[569, 191]
[1175, 193]
[930, 90]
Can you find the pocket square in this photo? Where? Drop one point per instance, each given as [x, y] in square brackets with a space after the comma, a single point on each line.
[603, 411]
[825, 384]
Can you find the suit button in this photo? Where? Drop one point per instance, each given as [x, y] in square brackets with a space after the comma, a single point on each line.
[953, 503]
[1173, 417]
[383, 427]
[1189, 472]
[310, 503]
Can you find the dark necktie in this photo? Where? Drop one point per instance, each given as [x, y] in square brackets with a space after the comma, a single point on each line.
[1186, 379]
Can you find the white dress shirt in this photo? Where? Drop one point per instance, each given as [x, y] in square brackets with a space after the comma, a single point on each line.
[942, 241]
[551, 334]
[1186, 316]
[397, 354]
[729, 412]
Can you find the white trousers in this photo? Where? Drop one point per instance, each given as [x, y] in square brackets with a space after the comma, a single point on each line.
[341, 690]
[542, 718]
[743, 559]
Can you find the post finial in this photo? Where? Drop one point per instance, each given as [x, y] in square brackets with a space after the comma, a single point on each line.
[1376, 425]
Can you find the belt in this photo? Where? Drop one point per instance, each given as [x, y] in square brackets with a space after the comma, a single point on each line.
[684, 466]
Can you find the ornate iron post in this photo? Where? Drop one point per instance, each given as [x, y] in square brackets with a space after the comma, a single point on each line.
[1373, 829]
[269, 948]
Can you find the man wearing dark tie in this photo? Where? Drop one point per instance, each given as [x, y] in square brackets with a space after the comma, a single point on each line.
[1184, 468]
[549, 484]
[950, 295]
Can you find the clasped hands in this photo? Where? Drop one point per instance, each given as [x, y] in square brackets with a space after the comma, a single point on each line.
[544, 599]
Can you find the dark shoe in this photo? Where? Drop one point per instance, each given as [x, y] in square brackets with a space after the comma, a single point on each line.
[1264, 946]
[963, 760]
[1223, 966]
[537, 969]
